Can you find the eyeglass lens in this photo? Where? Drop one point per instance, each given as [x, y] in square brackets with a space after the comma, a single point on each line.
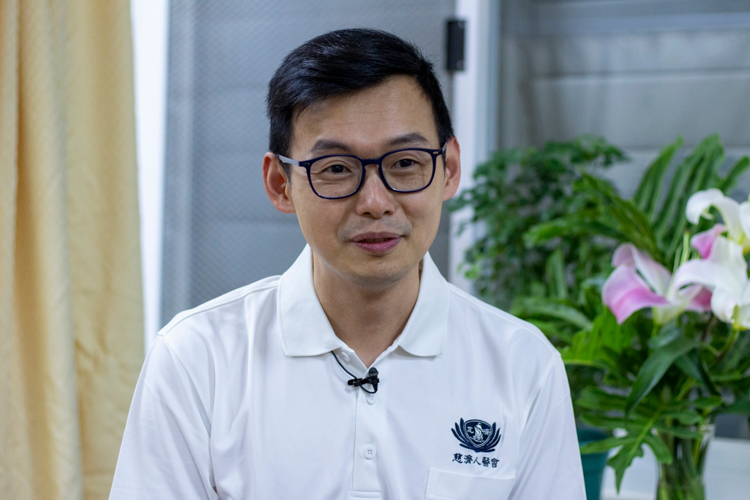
[339, 176]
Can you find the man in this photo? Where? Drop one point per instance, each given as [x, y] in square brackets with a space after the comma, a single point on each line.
[359, 373]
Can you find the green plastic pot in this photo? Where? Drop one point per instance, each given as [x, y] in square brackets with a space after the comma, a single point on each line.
[593, 463]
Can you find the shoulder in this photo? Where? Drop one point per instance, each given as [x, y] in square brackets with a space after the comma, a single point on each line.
[221, 326]
[518, 351]
[515, 348]
[498, 326]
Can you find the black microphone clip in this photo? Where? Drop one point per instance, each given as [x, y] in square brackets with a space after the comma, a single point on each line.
[371, 378]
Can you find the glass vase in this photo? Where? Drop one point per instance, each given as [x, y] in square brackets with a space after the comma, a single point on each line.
[683, 478]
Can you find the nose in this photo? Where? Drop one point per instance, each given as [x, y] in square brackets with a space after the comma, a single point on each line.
[375, 199]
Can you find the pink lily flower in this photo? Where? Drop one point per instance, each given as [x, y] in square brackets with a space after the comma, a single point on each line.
[723, 268]
[704, 242]
[638, 281]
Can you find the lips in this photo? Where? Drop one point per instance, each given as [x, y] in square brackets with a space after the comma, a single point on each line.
[377, 243]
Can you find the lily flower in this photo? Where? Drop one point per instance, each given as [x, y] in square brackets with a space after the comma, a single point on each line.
[736, 216]
[724, 271]
[704, 242]
[638, 281]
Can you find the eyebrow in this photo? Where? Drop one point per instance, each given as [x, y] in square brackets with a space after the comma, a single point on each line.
[327, 145]
[412, 138]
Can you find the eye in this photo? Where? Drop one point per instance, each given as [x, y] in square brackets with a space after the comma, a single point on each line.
[334, 167]
[405, 163]
[337, 168]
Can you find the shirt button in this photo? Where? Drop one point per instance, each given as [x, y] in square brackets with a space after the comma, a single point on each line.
[344, 357]
[369, 452]
[371, 399]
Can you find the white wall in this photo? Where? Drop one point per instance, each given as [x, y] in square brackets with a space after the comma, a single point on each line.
[475, 111]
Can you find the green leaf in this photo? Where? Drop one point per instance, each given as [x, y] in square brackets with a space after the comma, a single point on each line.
[742, 407]
[693, 366]
[671, 207]
[576, 225]
[666, 334]
[648, 194]
[662, 453]
[556, 274]
[621, 215]
[655, 367]
[702, 178]
[528, 307]
[604, 422]
[605, 444]
[727, 377]
[737, 355]
[593, 347]
[612, 423]
[548, 328]
[686, 417]
[708, 403]
[623, 458]
[610, 216]
[596, 399]
[680, 432]
[730, 181]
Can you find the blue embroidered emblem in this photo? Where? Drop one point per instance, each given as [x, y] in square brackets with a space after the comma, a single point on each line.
[477, 435]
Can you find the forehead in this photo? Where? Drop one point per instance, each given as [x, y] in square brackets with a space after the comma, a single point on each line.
[368, 119]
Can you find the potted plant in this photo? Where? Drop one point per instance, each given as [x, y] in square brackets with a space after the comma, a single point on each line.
[551, 284]
[671, 346]
[516, 190]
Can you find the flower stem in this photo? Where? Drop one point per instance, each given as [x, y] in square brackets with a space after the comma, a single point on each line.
[730, 342]
[709, 327]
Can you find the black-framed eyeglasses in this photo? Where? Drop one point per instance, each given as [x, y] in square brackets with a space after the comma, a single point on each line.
[405, 170]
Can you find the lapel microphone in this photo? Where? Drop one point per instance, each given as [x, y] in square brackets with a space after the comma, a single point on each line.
[371, 378]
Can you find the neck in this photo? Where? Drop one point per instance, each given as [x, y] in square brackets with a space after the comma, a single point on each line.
[367, 320]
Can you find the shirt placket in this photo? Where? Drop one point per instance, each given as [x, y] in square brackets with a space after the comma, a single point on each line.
[369, 438]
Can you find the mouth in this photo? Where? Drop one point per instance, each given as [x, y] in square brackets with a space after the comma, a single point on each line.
[377, 243]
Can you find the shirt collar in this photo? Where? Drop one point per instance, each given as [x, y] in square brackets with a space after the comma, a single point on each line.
[305, 330]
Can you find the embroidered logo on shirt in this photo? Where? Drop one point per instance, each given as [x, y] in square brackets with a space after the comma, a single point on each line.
[470, 460]
[477, 435]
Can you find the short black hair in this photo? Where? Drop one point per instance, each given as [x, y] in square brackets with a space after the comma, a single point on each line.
[344, 61]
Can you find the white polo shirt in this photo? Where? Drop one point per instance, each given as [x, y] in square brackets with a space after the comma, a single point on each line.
[240, 398]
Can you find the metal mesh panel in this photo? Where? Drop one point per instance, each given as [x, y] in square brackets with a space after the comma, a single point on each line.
[221, 231]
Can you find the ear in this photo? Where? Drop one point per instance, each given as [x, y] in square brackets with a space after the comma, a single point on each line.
[277, 184]
[452, 168]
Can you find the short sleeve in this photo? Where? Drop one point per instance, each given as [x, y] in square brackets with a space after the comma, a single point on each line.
[550, 461]
[165, 448]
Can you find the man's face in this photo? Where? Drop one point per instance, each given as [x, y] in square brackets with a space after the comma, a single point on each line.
[375, 237]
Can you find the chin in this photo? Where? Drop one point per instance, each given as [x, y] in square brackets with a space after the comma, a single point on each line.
[378, 276]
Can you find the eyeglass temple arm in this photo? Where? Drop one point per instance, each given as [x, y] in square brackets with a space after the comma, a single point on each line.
[284, 159]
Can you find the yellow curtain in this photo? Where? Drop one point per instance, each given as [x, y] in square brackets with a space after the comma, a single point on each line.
[71, 319]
